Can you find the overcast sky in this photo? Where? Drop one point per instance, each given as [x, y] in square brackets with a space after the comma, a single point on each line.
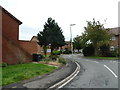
[34, 14]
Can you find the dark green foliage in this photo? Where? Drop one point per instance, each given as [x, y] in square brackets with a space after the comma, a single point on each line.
[54, 57]
[112, 54]
[96, 34]
[104, 50]
[88, 50]
[51, 35]
[62, 60]
[56, 52]
[78, 43]
[4, 64]
[66, 51]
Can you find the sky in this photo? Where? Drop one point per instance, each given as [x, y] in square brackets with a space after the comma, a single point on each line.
[34, 13]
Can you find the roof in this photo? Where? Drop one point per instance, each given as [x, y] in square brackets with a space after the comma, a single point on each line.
[3, 9]
[34, 38]
[114, 30]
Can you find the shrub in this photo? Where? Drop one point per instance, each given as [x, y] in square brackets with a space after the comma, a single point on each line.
[4, 64]
[54, 57]
[114, 54]
[56, 52]
[104, 50]
[62, 60]
[88, 50]
[66, 51]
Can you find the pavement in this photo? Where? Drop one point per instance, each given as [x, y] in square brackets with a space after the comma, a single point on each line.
[47, 80]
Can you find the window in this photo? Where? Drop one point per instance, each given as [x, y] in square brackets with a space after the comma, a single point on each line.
[112, 48]
[48, 50]
[113, 38]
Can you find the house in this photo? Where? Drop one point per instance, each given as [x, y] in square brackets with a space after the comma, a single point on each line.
[32, 46]
[12, 52]
[40, 49]
[115, 39]
[67, 45]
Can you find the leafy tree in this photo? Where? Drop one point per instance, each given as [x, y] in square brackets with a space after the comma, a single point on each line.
[51, 35]
[78, 43]
[96, 34]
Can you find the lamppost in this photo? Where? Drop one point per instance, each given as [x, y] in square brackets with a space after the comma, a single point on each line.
[118, 42]
[71, 39]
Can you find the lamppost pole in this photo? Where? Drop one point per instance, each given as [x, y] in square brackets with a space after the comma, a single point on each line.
[118, 42]
[71, 39]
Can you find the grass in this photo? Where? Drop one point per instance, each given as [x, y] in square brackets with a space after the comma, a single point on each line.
[20, 72]
[46, 55]
[0, 75]
[107, 58]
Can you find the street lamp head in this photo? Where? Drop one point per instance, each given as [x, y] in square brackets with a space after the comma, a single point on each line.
[72, 24]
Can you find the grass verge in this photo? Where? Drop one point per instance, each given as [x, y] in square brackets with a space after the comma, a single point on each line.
[19, 72]
[107, 58]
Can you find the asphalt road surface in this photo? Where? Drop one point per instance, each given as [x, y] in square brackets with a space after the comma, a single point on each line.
[94, 73]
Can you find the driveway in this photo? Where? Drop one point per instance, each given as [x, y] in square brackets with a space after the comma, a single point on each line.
[94, 73]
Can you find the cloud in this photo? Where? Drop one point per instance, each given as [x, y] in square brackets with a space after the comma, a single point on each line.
[34, 14]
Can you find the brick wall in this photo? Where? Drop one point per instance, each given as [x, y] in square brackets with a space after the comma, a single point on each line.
[12, 52]
[30, 46]
[114, 42]
[10, 27]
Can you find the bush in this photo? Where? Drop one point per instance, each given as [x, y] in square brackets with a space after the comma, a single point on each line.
[88, 50]
[105, 50]
[113, 54]
[54, 57]
[4, 64]
[62, 60]
[56, 52]
[66, 51]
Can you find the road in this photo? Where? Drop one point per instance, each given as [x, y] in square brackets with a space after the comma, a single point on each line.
[94, 73]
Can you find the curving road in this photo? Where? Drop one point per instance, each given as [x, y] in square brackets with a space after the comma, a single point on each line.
[94, 73]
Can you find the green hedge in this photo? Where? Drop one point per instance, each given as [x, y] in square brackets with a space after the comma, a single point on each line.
[88, 50]
[56, 52]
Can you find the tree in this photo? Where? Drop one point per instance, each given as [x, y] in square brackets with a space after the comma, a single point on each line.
[78, 43]
[51, 35]
[96, 34]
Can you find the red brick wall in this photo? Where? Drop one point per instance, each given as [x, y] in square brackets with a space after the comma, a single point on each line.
[13, 53]
[0, 35]
[10, 27]
[30, 46]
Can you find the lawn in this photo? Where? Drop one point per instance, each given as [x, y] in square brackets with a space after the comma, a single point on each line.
[107, 58]
[19, 72]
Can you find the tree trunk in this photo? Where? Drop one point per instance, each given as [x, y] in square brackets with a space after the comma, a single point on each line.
[96, 49]
[61, 51]
[45, 50]
[51, 50]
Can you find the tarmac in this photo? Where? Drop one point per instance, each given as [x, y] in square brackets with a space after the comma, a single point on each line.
[47, 80]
